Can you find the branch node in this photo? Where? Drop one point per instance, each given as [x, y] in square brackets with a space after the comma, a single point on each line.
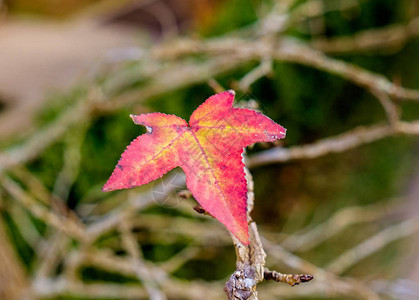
[242, 284]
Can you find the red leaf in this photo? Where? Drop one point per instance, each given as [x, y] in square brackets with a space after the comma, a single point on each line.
[209, 150]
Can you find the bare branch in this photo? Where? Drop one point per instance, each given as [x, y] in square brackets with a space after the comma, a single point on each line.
[13, 281]
[67, 225]
[263, 69]
[340, 220]
[72, 160]
[385, 39]
[178, 260]
[143, 273]
[296, 52]
[336, 144]
[171, 66]
[134, 204]
[228, 53]
[373, 244]
[51, 254]
[340, 143]
[42, 138]
[391, 109]
[326, 282]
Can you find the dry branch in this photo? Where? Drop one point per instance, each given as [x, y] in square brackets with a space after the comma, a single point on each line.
[132, 206]
[385, 39]
[144, 274]
[13, 281]
[326, 282]
[293, 51]
[373, 244]
[342, 219]
[68, 225]
[227, 53]
[171, 66]
[340, 143]
[251, 261]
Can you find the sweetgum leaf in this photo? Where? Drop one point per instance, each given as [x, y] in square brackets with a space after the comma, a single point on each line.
[209, 150]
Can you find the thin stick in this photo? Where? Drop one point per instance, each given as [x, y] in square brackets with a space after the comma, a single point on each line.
[141, 270]
[373, 244]
[291, 279]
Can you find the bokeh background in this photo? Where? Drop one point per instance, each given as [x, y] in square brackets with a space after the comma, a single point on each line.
[338, 198]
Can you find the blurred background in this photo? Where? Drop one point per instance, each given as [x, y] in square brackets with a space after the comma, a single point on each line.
[338, 198]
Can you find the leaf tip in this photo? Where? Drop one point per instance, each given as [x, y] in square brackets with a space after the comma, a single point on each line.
[106, 188]
[109, 186]
[133, 117]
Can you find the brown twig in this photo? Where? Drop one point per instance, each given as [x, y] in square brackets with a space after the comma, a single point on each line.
[326, 281]
[291, 279]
